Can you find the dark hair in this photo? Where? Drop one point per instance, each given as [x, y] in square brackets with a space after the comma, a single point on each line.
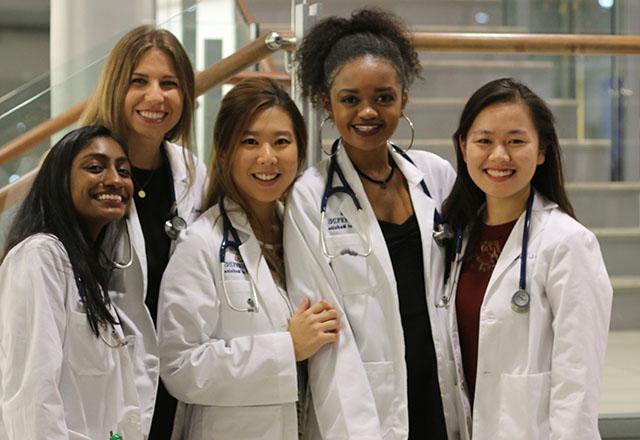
[239, 106]
[48, 208]
[335, 40]
[461, 209]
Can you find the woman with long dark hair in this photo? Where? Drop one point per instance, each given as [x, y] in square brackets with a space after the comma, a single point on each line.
[64, 368]
[528, 292]
[232, 346]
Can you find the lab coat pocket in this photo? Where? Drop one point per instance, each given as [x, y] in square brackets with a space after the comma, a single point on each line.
[236, 422]
[381, 379]
[238, 295]
[524, 406]
[88, 354]
[77, 436]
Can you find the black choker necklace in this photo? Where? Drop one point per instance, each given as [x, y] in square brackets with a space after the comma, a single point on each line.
[383, 182]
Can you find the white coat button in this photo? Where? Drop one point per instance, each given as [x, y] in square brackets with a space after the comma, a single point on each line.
[133, 419]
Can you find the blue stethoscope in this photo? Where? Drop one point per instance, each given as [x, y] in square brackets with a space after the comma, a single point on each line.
[441, 232]
[234, 244]
[521, 299]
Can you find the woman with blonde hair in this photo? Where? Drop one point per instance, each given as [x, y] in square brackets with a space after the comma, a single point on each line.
[232, 345]
[146, 95]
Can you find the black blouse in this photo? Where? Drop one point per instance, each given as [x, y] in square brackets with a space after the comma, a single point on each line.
[426, 416]
[153, 210]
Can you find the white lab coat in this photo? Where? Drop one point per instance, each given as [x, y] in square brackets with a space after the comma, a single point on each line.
[236, 370]
[129, 286]
[57, 379]
[359, 385]
[539, 372]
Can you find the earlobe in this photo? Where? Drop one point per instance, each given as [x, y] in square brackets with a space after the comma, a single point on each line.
[326, 104]
[405, 99]
[541, 156]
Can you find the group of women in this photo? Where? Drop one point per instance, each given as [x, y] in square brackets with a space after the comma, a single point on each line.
[379, 295]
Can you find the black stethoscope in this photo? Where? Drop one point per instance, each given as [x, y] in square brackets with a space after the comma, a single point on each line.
[175, 224]
[234, 244]
[521, 299]
[441, 232]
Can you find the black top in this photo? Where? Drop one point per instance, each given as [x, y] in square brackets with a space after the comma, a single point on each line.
[153, 210]
[426, 416]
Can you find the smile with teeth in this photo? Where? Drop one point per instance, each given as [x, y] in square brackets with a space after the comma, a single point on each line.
[265, 177]
[366, 128]
[499, 173]
[154, 116]
[109, 197]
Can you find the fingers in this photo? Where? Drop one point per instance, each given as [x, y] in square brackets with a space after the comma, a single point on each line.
[304, 305]
[320, 306]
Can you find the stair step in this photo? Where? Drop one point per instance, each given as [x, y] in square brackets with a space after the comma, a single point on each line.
[621, 250]
[471, 74]
[606, 204]
[621, 376]
[625, 312]
[418, 12]
[438, 117]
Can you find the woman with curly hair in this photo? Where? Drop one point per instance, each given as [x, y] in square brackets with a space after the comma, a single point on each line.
[358, 233]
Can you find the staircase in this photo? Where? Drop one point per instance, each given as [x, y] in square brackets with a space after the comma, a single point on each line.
[610, 209]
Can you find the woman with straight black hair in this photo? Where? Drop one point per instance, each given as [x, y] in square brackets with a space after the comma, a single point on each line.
[64, 370]
[528, 294]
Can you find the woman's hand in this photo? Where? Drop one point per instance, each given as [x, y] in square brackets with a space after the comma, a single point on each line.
[311, 327]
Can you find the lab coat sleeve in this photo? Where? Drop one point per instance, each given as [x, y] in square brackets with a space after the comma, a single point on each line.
[32, 313]
[580, 295]
[342, 397]
[195, 365]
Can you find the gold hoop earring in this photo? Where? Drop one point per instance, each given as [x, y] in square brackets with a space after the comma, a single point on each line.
[329, 153]
[413, 131]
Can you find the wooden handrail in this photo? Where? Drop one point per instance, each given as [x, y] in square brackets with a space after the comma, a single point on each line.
[557, 44]
[220, 72]
[230, 67]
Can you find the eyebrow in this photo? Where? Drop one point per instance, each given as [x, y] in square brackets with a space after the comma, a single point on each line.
[516, 131]
[277, 133]
[147, 76]
[377, 90]
[103, 157]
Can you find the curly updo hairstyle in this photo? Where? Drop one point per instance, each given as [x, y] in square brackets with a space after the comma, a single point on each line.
[335, 40]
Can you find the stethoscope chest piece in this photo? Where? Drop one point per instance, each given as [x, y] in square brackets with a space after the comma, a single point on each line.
[442, 232]
[174, 226]
[520, 301]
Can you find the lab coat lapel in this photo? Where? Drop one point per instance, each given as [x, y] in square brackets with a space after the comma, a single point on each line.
[269, 300]
[370, 226]
[424, 208]
[184, 197]
[513, 247]
[137, 240]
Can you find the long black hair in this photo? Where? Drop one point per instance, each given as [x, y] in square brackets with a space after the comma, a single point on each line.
[461, 209]
[334, 41]
[48, 208]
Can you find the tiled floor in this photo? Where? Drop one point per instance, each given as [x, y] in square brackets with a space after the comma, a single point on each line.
[621, 379]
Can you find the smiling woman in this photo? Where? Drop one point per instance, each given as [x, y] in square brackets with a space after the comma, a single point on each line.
[60, 338]
[231, 344]
[528, 294]
[358, 231]
[146, 95]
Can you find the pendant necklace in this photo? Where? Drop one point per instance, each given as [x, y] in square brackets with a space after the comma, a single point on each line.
[382, 183]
